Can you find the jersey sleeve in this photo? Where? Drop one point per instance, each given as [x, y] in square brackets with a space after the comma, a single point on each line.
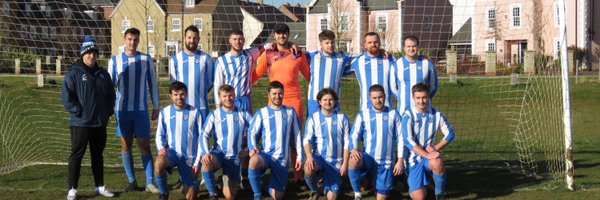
[256, 51]
[161, 133]
[407, 131]
[305, 68]
[297, 130]
[433, 79]
[172, 69]
[69, 94]
[254, 131]
[153, 84]
[210, 73]
[261, 67]
[309, 131]
[112, 70]
[218, 78]
[398, 134]
[394, 85]
[206, 133]
[346, 133]
[446, 129]
[347, 64]
[357, 132]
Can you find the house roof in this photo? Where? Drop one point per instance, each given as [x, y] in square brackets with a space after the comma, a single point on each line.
[162, 4]
[100, 2]
[298, 10]
[318, 6]
[463, 35]
[267, 14]
[297, 33]
[374, 5]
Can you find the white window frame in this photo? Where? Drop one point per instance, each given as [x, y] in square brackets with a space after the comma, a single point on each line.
[487, 18]
[68, 13]
[347, 42]
[45, 32]
[178, 28]
[121, 49]
[53, 32]
[490, 45]
[151, 50]
[171, 43]
[33, 32]
[190, 3]
[341, 22]
[24, 31]
[198, 23]
[27, 9]
[150, 21]
[513, 17]
[427, 23]
[326, 25]
[125, 24]
[379, 23]
[556, 15]
[556, 51]
[6, 8]
[199, 46]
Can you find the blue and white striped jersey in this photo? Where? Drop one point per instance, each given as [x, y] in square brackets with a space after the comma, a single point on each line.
[196, 72]
[380, 133]
[406, 74]
[328, 135]
[277, 129]
[421, 129]
[229, 129]
[370, 71]
[179, 130]
[130, 75]
[327, 72]
[236, 71]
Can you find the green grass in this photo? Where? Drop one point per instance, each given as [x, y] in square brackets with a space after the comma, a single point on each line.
[481, 110]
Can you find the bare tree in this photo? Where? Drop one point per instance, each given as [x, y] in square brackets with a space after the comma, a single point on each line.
[341, 22]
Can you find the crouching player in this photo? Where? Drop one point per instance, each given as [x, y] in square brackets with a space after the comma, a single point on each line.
[177, 139]
[326, 146]
[420, 126]
[378, 128]
[228, 125]
[278, 126]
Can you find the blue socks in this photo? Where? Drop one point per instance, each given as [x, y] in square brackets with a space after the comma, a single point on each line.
[209, 181]
[161, 181]
[354, 175]
[440, 183]
[128, 165]
[149, 167]
[310, 181]
[254, 176]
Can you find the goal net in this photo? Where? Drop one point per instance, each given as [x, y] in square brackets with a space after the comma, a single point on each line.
[499, 65]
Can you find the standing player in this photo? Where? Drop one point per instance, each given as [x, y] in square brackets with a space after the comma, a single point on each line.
[420, 126]
[285, 68]
[326, 68]
[409, 71]
[278, 127]
[378, 128]
[326, 146]
[89, 95]
[177, 136]
[228, 125]
[130, 71]
[372, 68]
[195, 69]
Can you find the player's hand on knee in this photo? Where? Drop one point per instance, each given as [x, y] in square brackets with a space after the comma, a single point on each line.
[433, 155]
[431, 149]
[163, 152]
[207, 160]
[399, 167]
[252, 153]
[310, 164]
[195, 170]
[355, 155]
[298, 166]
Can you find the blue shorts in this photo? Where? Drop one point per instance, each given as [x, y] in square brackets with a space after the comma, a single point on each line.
[230, 168]
[375, 171]
[133, 123]
[184, 167]
[417, 175]
[244, 103]
[331, 175]
[313, 107]
[279, 174]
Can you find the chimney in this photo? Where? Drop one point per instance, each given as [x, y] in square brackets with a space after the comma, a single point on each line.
[259, 2]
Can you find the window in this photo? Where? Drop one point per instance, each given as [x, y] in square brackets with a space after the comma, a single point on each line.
[23, 31]
[46, 9]
[516, 15]
[556, 15]
[5, 8]
[33, 32]
[556, 49]
[121, 49]
[68, 13]
[189, 3]
[381, 23]
[125, 24]
[32, 50]
[175, 25]
[45, 32]
[198, 23]
[200, 46]
[343, 45]
[323, 24]
[491, 18]
[151, 50]
[172, 47]
[150, 25]
[28, 10]
[427, 23]
[491, 45]
[343, 20]
[53, 33]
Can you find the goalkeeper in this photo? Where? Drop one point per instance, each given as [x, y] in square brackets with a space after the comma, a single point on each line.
[424, 157]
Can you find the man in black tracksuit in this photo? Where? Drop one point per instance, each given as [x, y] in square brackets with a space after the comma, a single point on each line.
[88, 94]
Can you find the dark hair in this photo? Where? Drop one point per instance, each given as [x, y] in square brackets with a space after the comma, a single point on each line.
[411, 37]
[225, 88]
[420, 87]
[275, 85]
[326, 35]
[372, 34]
[376, 88]
[176, 86]
[133, 31]
[236, 32]
[193, 29]
[326, 91]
